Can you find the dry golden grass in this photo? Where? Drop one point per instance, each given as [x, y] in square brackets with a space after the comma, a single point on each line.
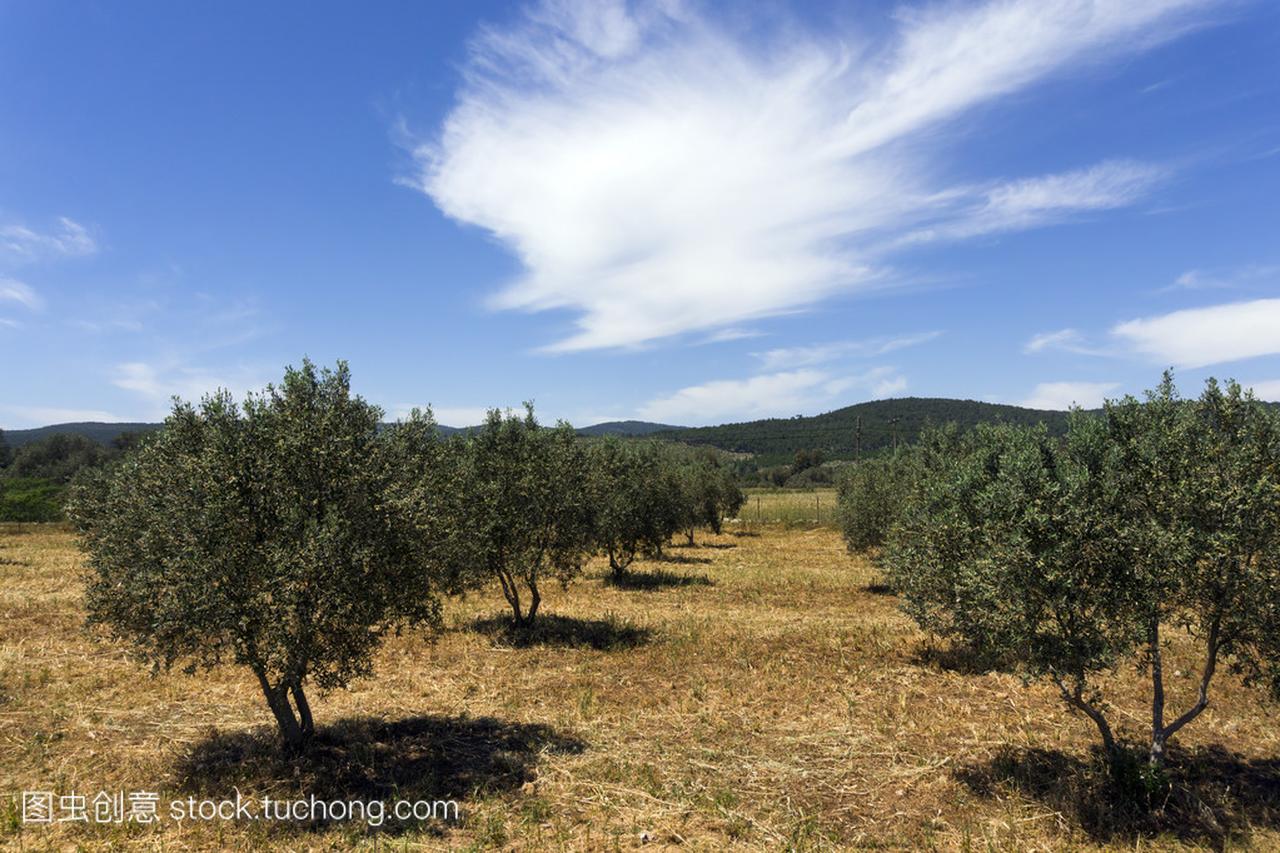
[789, 508]
[777, 700]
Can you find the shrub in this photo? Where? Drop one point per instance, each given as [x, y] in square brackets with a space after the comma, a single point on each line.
[1062, 558]
[30, 499]
[819, 475]
[263, 535]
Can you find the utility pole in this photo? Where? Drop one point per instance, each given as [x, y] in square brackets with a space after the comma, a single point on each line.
[857, 439]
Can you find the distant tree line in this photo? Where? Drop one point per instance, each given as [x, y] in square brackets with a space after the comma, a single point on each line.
[865, 429]
[1066, 556]
[34, 478]
[290, 534]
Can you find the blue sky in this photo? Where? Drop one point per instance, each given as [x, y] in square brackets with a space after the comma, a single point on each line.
[683, 212]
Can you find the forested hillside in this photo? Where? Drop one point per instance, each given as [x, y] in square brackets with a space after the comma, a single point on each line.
[835, 434]
[102, 433]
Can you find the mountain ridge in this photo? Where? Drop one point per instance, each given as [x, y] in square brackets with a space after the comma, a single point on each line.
[833, 432]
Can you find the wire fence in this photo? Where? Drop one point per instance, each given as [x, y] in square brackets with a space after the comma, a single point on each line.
[790, 508]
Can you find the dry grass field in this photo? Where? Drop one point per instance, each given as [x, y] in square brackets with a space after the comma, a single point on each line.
[791, 508]
[757, 691]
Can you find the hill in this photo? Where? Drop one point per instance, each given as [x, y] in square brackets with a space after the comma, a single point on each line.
[629, 428]
[103, 433]
[774, 441]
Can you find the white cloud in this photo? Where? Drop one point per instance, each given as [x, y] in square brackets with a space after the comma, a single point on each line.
[1063, 395]
[1067, 340]
[1197, 279]
[1194, 280]
[1198, 337]
[731, 334]
[785, 358]
[1033, 202]
[462, 416]
[158, 384]
[69, 239]
[452, 416]
[768, 395]
[33, 416]
[12, 290]
[657, 174]
[1268, 389]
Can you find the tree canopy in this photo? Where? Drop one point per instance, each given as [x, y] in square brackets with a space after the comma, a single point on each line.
[526, 508]
[1065, 557]
[265, 535]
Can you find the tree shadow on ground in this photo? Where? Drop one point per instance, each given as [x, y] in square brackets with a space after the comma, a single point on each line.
[880, 589]
[719, 546]
[742, 533]
[609, 634]
[431, 758]
[1207, 796]
[655, 580]
[958, 658]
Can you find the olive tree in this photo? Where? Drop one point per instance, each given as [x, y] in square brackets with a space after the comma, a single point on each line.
[1201, 483]
[263, 535]
[709, 492]
[58, 457]
[869, 498]
[1064, 558]
[634, 508]
[527, 507]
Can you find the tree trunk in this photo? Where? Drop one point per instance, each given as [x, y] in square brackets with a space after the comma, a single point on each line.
[1075, 698]
[511, 590]
[690, 532]
[1155, 757]
[307, 724]
[291, 731]
[618, 565]
[535, 598]
[1160, 733]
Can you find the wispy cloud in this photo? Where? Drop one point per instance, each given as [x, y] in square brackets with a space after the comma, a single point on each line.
[785, 358]
[1198, 279]
[1064, 395]
[1198, 337]
[1268, 389]
[33, 416]
[1043, 200]
[452, 416]
[769, 395]
[158, 383]
[12, 290]
[68, 239]
[657, 174]
[1065, 340]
